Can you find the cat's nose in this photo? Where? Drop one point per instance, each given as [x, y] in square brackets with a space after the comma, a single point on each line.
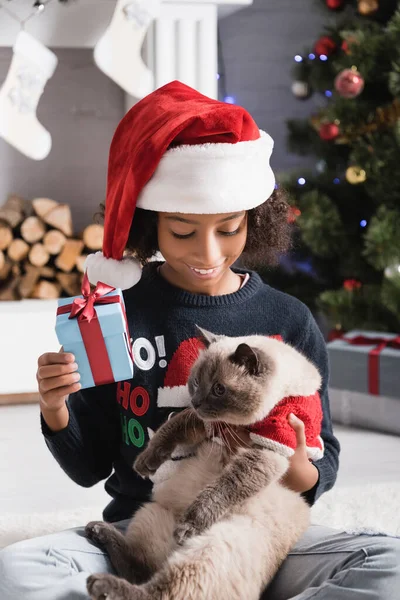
[196, 402]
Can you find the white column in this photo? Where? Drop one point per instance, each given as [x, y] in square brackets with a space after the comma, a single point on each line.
[187, 51]
[164, 51]
[208, 54]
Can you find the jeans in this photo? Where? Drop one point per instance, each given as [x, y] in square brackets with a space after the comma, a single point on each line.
[325, 565]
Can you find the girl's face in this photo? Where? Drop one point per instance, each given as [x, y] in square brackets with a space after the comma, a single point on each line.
[200, 249]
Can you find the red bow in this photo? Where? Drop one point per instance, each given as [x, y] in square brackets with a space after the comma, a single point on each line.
[380, 344]
[84, 307]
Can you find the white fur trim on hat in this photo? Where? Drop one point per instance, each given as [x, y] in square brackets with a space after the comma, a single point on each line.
[122, 274]
[211, 178]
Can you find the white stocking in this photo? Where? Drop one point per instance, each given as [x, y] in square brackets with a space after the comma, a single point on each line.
[118, 52]
[31, 66]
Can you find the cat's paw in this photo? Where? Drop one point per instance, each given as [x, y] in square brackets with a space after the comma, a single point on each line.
[99, 532]
[184, 531]
[103, 586]
[148, 462]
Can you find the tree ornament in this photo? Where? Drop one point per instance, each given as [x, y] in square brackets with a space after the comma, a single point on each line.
[351, 284]
[293, 213]
[329, 131]
[393, 271]
[325, 45]
[301, 89]
[335, 4]
[367, 7]
[348, 42]
[349, 83]
[355, 175]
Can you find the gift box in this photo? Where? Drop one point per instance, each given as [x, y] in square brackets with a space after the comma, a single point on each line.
[365, 380]
[366, 362]
[94, 328]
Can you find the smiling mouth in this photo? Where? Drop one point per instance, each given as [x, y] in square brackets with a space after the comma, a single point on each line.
[205, 272]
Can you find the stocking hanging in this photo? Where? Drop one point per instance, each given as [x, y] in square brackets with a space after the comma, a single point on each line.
[31, 66]
[118, 52]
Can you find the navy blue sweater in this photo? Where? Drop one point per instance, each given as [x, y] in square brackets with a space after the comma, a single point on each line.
[108, 425]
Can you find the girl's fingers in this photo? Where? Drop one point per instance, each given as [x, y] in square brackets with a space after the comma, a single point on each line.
[51, 358]
[55, 383]
[50, 397]
[299, 429]
[57, 370]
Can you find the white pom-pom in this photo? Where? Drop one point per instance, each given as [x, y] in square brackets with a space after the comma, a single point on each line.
[122, 274]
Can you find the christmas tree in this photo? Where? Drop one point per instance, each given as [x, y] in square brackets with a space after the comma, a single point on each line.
[345, 210]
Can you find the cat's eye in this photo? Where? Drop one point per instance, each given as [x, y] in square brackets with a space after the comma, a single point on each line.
[218, 389]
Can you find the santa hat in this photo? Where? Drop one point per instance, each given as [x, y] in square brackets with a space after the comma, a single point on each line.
[178, 151]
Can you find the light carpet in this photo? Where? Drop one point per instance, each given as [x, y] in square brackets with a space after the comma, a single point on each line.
[372, 509]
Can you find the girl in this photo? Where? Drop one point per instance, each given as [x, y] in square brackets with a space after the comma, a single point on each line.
[189, 177]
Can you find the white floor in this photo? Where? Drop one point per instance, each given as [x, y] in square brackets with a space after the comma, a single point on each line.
[32, 481]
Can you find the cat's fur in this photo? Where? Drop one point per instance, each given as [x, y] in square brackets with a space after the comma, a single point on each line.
[222, 524]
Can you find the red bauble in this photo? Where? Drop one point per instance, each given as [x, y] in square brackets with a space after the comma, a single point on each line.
[325, 45]
[293, 213]
[335, 4]
[351, 284]
[328, 131]
[349, 83]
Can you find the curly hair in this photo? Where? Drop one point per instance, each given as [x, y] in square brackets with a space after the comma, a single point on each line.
[268, 232]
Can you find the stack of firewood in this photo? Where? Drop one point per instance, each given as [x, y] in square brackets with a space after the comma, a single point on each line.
[39, 256]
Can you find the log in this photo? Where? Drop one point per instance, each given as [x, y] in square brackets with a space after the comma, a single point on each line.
[32, 230]
[54, 241]
[48, 272]
[80, 262]
[29, 280]
[60, 218]
[93, 236]
[67, 259]
[9, 291]
[18, 250]
[42, 206]
[6, 235]
[38, 255]
[5, 270]
[13, 211]
[46, 290]
[70, 283]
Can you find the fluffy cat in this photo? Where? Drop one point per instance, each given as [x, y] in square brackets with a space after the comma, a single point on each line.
[222, 524]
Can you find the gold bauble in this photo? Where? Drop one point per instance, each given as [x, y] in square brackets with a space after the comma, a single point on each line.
[367, 7]
[355, 175]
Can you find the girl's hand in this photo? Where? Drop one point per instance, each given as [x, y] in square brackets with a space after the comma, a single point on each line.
[57, 377]
[302, 475]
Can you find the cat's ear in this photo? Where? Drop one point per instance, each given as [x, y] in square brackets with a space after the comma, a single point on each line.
[206, 336]
[246, 357]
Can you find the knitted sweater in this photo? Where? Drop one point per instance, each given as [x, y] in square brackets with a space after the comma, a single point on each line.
[109, 425]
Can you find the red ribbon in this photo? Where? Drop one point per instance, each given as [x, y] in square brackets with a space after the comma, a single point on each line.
[373, 356]
[84, 310]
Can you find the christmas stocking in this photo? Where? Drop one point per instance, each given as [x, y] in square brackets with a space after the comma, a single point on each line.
[118, 52]
[31, 66]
